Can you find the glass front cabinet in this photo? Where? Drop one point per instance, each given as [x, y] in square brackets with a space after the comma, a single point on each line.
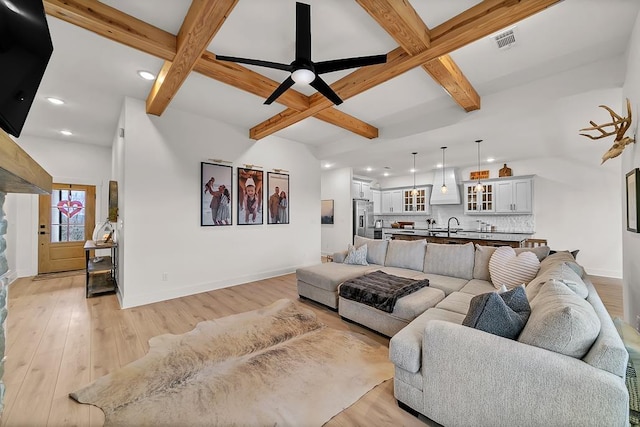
[479, 201]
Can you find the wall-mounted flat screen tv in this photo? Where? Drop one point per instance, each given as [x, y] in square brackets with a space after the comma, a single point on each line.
[25, 49]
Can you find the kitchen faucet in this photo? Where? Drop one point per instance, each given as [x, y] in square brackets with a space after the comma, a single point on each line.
[449, 225]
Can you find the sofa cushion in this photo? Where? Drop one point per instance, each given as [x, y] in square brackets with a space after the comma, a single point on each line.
[458, 302]
[559, 271]
[445, 283]
[559, 257]
[477, 286]
[503, 314]
[405, 347]
[450, 260]
[376, 249]
[561, 321]
[481, 263]
[356, 256]
[329, 275]
[540, 251]
[406, 254]
[402, 272]
[507, 268]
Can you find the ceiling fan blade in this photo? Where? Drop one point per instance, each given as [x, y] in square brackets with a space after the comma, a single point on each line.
[346, 63]
[268, 64]
[322, 87]
[279, 90]
[303, 32]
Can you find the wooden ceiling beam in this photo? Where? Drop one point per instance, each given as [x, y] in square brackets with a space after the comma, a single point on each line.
[473, 24]
[401, 21]
[203, 20]
[115, 25]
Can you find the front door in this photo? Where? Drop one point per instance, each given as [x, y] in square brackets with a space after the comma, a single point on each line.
[66, 222]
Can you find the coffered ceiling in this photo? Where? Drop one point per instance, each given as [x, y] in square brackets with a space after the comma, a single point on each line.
[445, 81]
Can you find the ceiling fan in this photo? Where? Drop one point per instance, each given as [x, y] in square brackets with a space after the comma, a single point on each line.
[303, 70]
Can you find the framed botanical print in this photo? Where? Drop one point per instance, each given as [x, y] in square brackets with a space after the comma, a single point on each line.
[250, 192]
[278, 200]
[633, 194]
[215, 194]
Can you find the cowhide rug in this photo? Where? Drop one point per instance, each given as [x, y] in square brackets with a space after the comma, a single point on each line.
[276, 366]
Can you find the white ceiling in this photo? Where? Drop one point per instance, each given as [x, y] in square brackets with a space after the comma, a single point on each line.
[535, 95]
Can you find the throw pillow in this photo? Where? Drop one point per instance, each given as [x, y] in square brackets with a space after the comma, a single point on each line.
[376, 249]
[356, 256]
[507, 268]
[561, 321]
[503, 314]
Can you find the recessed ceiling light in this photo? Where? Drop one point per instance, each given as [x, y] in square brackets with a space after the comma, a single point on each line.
[146, 75]
[386, 174]
[491, 159]
[55, 101]
[369, 169]
[66, 132]
[327, 165]
[412, 170]
[439, 165]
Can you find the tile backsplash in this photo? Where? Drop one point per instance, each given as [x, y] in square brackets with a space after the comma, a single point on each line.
[442, 213]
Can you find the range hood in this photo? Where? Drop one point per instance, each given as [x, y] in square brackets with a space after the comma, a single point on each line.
[452, 196]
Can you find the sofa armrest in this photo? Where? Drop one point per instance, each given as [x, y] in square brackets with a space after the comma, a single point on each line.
[471, 377]
[339, 256]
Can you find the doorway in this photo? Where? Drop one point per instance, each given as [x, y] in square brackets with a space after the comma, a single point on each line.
[66, 221]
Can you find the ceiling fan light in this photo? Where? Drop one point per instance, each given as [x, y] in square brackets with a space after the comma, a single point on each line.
[303, 76]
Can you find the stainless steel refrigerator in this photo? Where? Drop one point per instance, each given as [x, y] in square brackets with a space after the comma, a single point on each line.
[363, 222]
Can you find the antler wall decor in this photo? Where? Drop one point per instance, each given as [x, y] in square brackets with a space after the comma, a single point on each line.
[620, 127]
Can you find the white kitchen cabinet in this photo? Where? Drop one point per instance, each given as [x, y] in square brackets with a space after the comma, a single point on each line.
[391, 201]
[479, 202]
[514, 196]
[376, 197]
[416, 203]
[360, 190]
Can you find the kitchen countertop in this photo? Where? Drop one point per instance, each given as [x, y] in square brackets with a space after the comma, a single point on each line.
[461, 234]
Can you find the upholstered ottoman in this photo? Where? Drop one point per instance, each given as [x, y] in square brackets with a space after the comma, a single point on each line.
[320, 282]
[406, 309]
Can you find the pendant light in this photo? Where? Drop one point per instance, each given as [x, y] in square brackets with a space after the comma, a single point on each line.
[479, 187]
[444, 188]
[414, 192]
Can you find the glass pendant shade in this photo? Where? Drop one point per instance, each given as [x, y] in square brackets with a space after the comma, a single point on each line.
[414, 192]
[444, 188]
[479, 186]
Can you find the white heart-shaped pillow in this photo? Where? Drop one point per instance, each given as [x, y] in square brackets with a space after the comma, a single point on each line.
[507, 268]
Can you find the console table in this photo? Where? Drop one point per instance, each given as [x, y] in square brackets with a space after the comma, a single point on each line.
[102, 271]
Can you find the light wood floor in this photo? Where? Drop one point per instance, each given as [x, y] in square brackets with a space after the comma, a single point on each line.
[58, 341]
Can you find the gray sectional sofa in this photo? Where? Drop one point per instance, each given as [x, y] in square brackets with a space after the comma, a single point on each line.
[566, 367]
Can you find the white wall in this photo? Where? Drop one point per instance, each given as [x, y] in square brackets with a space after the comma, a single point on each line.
[161, 169]
[336, 185]
[66, 162]
[631, 160]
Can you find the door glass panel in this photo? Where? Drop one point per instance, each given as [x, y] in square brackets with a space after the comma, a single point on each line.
[67, 215]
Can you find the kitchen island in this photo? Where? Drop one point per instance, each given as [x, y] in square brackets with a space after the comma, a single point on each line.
[514, 240]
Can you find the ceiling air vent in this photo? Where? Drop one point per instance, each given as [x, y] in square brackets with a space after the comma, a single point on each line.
[505, 39]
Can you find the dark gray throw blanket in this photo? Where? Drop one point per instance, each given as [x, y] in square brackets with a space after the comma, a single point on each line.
[379, 289]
